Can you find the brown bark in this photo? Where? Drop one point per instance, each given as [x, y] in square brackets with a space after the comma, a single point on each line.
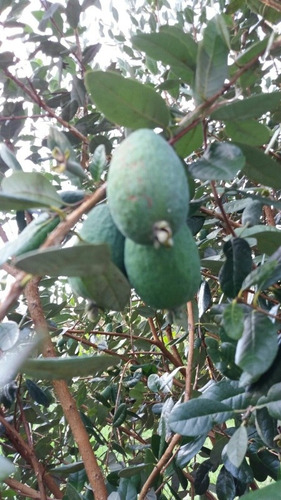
[62, 391]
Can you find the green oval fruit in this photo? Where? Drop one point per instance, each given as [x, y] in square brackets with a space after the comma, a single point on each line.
[147, 189]
[99, 227]
[111, 289]
[164, 278]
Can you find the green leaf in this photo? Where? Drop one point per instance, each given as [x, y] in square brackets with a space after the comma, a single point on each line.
[108, 288]
[66, 469]
[98, 163]
[71, 492]
[9, 202]
[168, 49]
[266, 427]
[6, 468]
[37, 394]
[133, 470]
[9, 158]
[237, 446]
[58, 139]
[189, 142]
[225, 486]
[30, 238]
[233, 320]
[263, 276]
[252, 213]
[82, 260]
[237, 266]
[268, 237]
[211, 69]
[73, 11]
[126, 101]
[260, 168]
[221, 161]
[251, 348]
[67, 368]
[48, 14]
[198, 416]
[9, 334]
[204, 298]
[53, 49]
[250, 107]
[189, 450]
[30, 187]
[248, 132]
[267, 493]
[6, 59]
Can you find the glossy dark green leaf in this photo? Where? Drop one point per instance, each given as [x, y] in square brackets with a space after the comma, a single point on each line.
[82, 260]
[198, 416]
[266, 427]
[251, 107]
[221, 161]
[29, 186]
[120, 415]
[37, 394]
[126, 101]
[225, 486]
[169, 49]
[67, 368]
[237, 446]
[248, 132]
[211, 69]
[259, 167]
[201, 478]
[195, 223]
[233, 320]
[237, 266]
[252, 346]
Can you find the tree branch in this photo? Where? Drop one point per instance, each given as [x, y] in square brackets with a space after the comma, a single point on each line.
[54, 238]
[29, 456]
[68, 403]
[42, 104]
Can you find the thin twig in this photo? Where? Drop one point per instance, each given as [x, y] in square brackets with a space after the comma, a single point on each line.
[189, 366]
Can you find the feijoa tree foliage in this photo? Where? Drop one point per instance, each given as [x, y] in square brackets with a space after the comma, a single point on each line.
[127, 402]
